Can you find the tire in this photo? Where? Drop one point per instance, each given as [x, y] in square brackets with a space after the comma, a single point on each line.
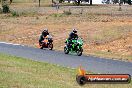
[66, 51]
[79, 52]
[81, 80]
[50, 46]
[41, 47]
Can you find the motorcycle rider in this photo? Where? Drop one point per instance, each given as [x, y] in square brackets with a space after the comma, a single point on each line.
[43, 35]
[72, 35]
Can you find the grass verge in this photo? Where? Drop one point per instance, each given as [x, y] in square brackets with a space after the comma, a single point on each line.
[16, 72]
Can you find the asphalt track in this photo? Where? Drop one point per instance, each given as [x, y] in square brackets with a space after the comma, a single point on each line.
[90, 63]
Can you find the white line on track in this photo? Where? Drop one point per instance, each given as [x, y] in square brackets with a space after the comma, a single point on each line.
[11, 44]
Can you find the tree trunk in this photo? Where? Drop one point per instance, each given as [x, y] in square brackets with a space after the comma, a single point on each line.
[39, 3]
[79, 2]
[10, 1]
[129, 2]
[90, 2]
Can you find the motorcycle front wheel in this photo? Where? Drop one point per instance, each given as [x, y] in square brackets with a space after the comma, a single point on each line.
[66, 51]
[79, 52]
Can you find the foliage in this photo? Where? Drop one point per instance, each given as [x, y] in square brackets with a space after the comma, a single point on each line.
[60, 1]
[15, 14]
[0, 10]
[56, 15]
[5, 9]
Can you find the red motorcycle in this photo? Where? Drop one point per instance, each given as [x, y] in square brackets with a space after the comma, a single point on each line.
[47, 43]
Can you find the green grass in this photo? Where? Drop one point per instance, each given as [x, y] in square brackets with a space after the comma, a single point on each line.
[19, 72]
[30, 1]
[16, 72]
[17, 13]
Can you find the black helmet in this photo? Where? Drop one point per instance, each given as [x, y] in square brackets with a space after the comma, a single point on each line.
[74, 30]
[45, 30]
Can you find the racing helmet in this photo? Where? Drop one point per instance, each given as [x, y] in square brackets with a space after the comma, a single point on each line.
[45, 30]
[74, 30]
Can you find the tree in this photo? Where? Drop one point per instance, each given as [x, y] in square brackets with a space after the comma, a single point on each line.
[90, 2]
[10, 1]
[5, 6]
[129, 2]
[122, 1]
[60, 1]
[78, 2]
[39, 3]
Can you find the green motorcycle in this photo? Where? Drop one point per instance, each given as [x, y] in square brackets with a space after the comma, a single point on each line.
[75, 46]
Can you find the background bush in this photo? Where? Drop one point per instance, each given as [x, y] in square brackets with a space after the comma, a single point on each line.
[5, 9]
